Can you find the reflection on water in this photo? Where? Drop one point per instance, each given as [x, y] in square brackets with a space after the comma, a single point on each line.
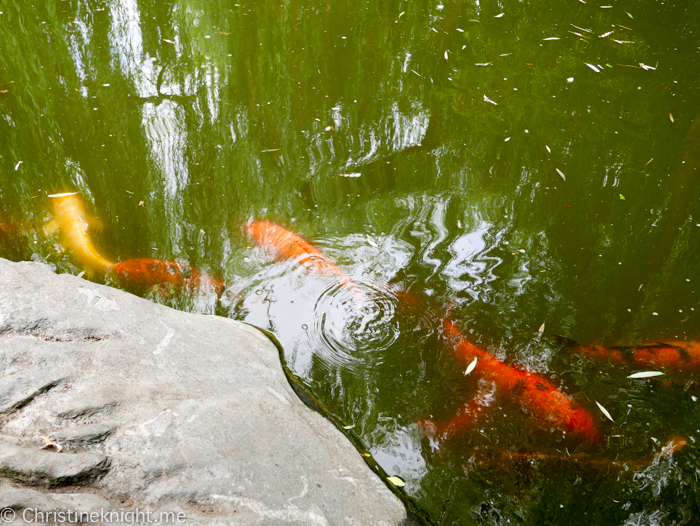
[419, 147]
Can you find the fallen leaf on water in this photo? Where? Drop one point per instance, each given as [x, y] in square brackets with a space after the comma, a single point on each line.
[582, 28]
[551, 38]
[646, 374]
[561, 173]
[17, 165]
[499, 16]
[649, 161]
[606, 34]
[622, 197]
[402, 13]
[592, 67]
[367, 455]
[396, 481]
[486, 99]
[604, 411]
[81, 274]
[540, 330]
[470, 367]
[446, 53]
[168, 41]
[353, 174]
[550, 151]
[483, 64]
[140, 203]
[372, 242]
[349, 427]
[670, 116]
[64, 194]
[629, 15]
[647, 68]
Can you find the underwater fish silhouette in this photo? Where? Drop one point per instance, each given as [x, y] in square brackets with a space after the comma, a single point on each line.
[548, 404]
[492, 458]
[72, 222]
[284, 244]
[151, 272]
[680, 356]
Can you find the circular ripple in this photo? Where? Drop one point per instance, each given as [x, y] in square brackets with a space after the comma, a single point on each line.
[353, 335]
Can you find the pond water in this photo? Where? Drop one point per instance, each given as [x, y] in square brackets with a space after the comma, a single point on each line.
[526, 170]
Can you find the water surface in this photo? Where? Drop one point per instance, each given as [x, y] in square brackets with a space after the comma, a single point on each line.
[509, 164]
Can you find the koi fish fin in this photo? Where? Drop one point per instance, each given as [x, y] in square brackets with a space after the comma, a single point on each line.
[51, 227]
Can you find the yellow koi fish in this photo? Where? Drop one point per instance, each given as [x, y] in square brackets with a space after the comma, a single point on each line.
[71, 221]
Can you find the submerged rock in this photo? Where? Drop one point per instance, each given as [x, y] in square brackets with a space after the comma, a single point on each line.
[166, 410]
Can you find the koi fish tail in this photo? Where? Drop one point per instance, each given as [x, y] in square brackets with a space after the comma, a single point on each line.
[468, 416]
[152, 272]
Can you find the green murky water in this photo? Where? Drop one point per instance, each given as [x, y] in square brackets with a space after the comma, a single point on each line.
[513, 163]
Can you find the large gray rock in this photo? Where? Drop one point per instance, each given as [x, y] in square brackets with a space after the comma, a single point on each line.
[165, 410]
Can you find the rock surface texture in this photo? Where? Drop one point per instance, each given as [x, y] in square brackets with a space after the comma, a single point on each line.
[164, 411]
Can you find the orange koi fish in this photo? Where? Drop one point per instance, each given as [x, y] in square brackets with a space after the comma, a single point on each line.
[287, 245]
[490, 458]
[150, 272]
[535, 394]
[681, 356]
[71, 221]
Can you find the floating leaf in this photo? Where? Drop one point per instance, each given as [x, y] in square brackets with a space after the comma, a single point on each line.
[646, 374]
[396, 481]
[606, 34]
[366, 455]
[483, 64]
[470, 367]
[63, 194]
[499, 16]
[349, 427]
[592, 67]
[446, 53]
[486, 99]
[561, 173]
[647, 68]
[17, 165]
[372, 242]
[629, 15]
[550, 151]
[604, 411]
[168, 41]
[551, 38]
[540, 330]
[670, 116]
[622, 197]
[402, 13]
